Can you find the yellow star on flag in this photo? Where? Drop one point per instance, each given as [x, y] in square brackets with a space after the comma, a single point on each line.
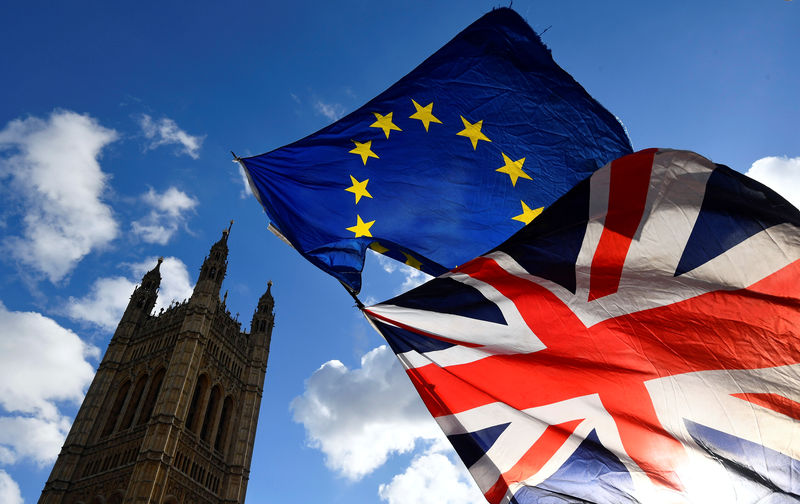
[377, 247]
[513, 169]
[361, 228]
[473, 132]
[412, 261]
[424, 114]
[527, 214]
[364, 150]
[385, 123]
[359, 188]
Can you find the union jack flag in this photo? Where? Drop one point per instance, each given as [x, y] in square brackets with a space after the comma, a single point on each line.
[637, 342]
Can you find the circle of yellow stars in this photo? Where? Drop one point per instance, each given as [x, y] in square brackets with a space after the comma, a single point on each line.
[472, 131]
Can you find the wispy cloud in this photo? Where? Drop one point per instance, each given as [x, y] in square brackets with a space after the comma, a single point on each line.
[411, 277]
[780, 173]
[165, 131]
[332, 111]
[246, 191]
[168, 211]
[51, 167]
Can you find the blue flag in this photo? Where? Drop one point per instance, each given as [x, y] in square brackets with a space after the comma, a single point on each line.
[447, 163]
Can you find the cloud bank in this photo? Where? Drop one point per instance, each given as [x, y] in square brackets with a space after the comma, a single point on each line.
[432, 478]
[31, 425]
[53, 174]
[358, 417]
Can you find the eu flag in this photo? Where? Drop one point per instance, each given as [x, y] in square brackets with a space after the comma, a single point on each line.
[445, 164]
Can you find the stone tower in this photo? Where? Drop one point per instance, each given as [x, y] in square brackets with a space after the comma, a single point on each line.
[171, 415]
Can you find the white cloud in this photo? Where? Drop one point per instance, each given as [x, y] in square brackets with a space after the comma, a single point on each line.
[108, 297]
[333, 111]
[412, 277]
[168, 212]
[782, 174]
[432, 478]
[175, 282]
[104, 304]
[247, 190]
[32, 438]
[61, 372]
[166, 132]
[41, 364]
[9, 490]
[54, 171]
[358, 417]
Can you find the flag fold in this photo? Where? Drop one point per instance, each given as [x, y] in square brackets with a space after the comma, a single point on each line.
[448, 162]
[638, 342]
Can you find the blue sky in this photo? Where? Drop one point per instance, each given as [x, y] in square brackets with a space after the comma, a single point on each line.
[116, 127]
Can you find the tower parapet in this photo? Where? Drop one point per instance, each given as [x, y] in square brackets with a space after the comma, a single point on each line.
[172, 412]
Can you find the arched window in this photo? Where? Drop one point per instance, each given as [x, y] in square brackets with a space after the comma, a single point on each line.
[211, 413]
[224, 424]
[122, 393]
[199, 395]
[133, 402]
[213, 273]
[152, 395]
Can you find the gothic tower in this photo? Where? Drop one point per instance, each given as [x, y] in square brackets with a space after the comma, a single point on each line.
[170, 417]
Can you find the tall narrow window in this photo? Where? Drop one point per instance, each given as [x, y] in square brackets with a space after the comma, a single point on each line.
[224, 423]
[133, 402]
[122, 393]
[199, 394]
[211, 413]
[152, 395]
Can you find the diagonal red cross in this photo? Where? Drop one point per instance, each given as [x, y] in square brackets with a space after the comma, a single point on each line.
[744, 329]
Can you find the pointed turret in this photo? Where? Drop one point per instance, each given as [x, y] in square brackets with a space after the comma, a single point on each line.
[262, 317]
[144, 296]
[261, 328]
[212, 273]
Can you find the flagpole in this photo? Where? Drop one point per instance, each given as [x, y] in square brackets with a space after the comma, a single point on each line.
[359, 304]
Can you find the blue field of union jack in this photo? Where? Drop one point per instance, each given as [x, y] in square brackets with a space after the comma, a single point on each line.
[639, 341]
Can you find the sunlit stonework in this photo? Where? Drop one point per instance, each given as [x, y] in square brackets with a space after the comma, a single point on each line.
[171, 415]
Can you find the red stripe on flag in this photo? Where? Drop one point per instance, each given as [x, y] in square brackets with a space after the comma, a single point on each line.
[627, 195]
[446, 393]
[773, 402]
[553, 438]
